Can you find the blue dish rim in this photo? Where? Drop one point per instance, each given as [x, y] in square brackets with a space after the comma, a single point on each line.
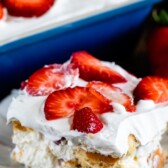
[75, 25]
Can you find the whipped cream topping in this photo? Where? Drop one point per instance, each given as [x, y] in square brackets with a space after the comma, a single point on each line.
[148, 122]
[62, 12]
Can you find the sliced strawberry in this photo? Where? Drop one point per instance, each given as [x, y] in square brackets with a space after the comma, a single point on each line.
[91, 68]
[23, 85]
[152, 88]
[86, 121]
[1, 11]
[51, 78]
[27, 8]
[114, 94]
[64, 103]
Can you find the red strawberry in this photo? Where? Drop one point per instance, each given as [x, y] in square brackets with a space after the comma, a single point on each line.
[152, 88]
[27, 8]
[91, 68]
[1, 11]
[23, 85]
[158, 47]
[86, 121]
[50, 78]
[114, 94]
[157, 44]
[64, 103]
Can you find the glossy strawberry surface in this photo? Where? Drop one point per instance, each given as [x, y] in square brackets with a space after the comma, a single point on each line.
[91, 68]
[152, 88]
[28, 8]
[64, 103]
[85, 120]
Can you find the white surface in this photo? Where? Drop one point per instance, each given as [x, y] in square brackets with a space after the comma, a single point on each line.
[5, 160]
[63, 11]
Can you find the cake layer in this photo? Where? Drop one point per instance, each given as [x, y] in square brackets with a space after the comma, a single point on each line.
[32, 149]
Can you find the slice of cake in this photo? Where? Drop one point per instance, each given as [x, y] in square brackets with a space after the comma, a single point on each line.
[91, 114]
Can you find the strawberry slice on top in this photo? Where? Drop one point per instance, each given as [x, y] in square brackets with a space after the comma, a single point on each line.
[28, 8]
[85, 120]
[50, 78]
[90, 68]
[114, 94]
[63, 103]
[152, 88]
[1, 11]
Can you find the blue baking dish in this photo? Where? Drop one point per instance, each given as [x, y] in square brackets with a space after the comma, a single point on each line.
[108, 35]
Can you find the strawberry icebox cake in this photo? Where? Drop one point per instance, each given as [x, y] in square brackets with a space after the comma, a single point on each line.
[22, 18]
[91, 114]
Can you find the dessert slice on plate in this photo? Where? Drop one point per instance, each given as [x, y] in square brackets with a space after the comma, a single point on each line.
[89, 113]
